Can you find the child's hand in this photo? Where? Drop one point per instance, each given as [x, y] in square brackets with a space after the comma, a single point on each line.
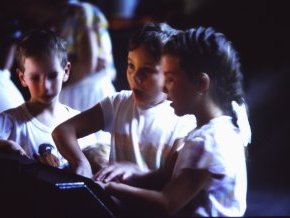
[119, 172]
[82, 168]
[102, 184]
[48, 159]
[11, 146]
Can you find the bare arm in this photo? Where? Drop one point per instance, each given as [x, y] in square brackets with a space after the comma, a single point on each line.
[185, 187]
[175, 195]
[131, 174]
[138, 200]
[11, 146]
[158, 178]
[66, 134]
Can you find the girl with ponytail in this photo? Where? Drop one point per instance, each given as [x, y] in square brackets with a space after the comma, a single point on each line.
[209, 177]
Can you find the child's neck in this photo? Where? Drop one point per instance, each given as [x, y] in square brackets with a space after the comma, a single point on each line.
[207, 113]
[159, 99]
[45, 113]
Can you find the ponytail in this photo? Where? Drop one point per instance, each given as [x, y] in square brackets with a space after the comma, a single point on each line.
[242, 122]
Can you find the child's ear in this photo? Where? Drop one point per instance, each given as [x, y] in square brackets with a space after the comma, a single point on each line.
[21, 77]
[203, 82]
[66, 72]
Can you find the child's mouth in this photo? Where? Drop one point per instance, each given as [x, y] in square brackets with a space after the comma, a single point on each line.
[47, 97]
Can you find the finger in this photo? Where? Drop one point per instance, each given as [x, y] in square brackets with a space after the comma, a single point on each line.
[22, 152]
[47, 160]
[126, 176]
[103, 172]
[101, 184]
[114, 175]
[56, 161]
[99, 174]
[40, 159]
[52, 160]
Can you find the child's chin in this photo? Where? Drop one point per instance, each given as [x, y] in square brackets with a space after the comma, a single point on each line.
[178, 112]
[138, 100]
[47, 100]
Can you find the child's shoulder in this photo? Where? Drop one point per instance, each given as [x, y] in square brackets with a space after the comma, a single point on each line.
[70, 110]
[215, 131]
[17, 114]
[123, 95]
[15, 111]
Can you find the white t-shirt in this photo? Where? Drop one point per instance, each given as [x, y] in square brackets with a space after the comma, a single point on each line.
[90, 91]
[218, 147]
[20, 126]
[10, 96]
[144, 137]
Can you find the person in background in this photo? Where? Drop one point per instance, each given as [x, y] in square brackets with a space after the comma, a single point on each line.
[144, 128]
[10, 95]
[42, 68]
[209, 176]
[85, 29]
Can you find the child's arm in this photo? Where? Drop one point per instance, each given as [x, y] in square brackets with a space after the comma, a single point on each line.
[131, 174]
[11, 146]
[118, 171]
[66, 134]
[178, 192]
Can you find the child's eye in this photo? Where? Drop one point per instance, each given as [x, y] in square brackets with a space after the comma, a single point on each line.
[148, 71]
[34, 78]
[52, 75]
[168, 81]
[130, 66]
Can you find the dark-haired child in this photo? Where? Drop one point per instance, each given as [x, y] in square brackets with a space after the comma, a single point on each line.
[143, 126]
[203, 77]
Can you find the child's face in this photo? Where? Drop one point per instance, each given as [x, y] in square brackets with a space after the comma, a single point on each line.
[179, 88]
[44, 78]
[145, 78]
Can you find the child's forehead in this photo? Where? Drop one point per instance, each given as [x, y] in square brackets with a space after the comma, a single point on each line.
[43, 59]
[142, 53]
[170, 63]
[48, 62]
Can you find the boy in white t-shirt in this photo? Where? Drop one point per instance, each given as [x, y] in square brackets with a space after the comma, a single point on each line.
[143, 126]
[26, 129]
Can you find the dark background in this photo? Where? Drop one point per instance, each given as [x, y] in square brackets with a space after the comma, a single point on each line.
[259, 29]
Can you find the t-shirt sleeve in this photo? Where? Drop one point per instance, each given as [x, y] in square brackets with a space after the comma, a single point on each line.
[200, 154]
[184, 125]
[6, 125]
[109, 106]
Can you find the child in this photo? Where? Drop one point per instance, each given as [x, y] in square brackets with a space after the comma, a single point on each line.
[141, 121]
[85, 28]
[209, 178]
[43, 67]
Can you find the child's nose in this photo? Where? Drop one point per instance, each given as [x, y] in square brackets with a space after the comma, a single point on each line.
[165, 90]
[137, 78]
